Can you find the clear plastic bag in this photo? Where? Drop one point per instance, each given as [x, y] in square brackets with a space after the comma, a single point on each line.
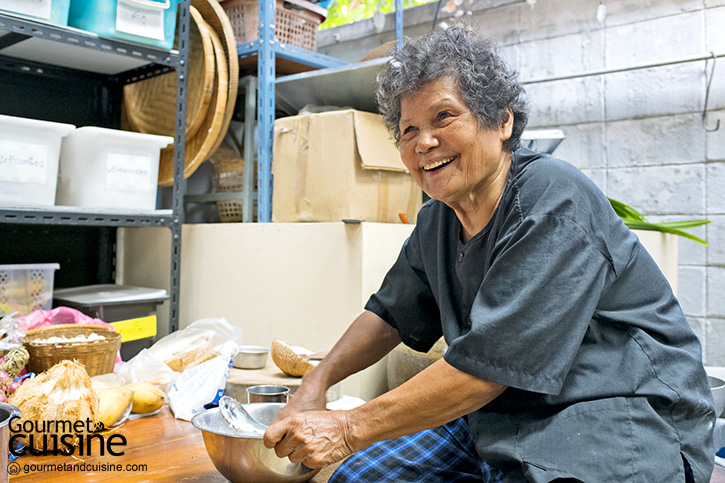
[145, 367]
[202, 384]
[195, 344]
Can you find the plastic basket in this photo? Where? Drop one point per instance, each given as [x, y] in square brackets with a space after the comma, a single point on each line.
[296, 21]
[98, 357]
[24, 288]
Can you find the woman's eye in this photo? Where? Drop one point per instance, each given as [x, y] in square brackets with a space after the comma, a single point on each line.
[442, 115]
[408, 129]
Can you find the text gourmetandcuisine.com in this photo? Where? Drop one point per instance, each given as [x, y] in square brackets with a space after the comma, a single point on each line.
[36, 437]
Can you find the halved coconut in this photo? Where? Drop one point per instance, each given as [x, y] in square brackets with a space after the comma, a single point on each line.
[292, 360]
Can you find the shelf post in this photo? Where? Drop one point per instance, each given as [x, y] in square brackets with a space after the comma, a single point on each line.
[399, 22]
[266, 73]
[179, 187]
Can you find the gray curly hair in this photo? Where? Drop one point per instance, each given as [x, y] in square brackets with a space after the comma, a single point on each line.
[486, 84]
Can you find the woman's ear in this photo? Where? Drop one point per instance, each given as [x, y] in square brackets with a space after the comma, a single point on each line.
[507, 126]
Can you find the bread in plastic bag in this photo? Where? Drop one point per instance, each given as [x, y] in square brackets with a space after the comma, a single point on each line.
[196, 343]
[202, 384]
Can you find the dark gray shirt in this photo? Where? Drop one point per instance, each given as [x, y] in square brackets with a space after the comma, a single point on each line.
[558, 300]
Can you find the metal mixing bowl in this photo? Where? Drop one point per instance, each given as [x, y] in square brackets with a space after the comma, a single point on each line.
[251, 357]
[242, 457]
[717, 386]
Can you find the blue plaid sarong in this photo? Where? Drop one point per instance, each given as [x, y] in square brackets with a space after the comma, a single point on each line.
[443, 454]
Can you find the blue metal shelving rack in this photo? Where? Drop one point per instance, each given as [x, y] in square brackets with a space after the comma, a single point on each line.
[267, 48]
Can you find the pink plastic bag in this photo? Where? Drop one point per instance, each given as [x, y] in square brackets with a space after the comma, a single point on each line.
[59, 316]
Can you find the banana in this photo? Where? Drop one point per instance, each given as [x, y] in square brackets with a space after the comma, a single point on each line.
[147, 398]
[113, 404]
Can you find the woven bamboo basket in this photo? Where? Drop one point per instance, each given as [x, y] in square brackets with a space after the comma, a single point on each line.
[98, 357]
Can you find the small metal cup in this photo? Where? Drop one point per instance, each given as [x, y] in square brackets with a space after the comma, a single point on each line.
[267, 393]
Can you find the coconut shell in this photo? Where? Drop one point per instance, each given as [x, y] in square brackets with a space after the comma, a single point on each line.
[62, 393]
[289, 361]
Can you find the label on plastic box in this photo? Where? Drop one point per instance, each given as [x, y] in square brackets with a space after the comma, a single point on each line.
[142, 20]
[128, 172]
[34, 8]
[133, 329]
[23, 162]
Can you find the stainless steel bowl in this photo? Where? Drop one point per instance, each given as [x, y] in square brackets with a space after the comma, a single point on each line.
[251, 357]
[717, 386]
[242, 457]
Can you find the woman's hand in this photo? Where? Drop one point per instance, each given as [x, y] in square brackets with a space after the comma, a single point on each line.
[315, 438]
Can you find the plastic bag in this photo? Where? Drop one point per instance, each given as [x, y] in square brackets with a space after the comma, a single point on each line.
[59, 316]
[145, 367]
[195, 344]
[202, 384]
[11, 332]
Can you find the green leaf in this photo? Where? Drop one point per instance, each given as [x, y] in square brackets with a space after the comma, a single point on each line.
[663, 227]
[636, 221]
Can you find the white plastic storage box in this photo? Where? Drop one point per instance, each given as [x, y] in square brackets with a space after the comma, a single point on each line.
[131, 310]
[108, 168]
[29, 160]
[24, 288]
[52, 11]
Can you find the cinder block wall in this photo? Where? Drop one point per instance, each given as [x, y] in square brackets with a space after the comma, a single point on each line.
[638, 134]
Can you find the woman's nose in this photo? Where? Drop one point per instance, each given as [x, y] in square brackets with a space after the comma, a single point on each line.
[427, 140]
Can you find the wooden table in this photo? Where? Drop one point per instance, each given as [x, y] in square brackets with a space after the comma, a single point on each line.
[167, 449]
[162, 448]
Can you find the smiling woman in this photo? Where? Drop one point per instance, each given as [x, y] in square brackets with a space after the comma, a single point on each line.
[567, 349]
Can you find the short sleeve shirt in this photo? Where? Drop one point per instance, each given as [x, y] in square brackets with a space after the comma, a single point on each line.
[556, 299]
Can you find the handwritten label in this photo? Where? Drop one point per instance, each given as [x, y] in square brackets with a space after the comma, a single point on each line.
[23, 162]
[34, 8]
[141, 20]
[128, 172]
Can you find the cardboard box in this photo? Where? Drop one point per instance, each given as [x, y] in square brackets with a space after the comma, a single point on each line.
[339, 165]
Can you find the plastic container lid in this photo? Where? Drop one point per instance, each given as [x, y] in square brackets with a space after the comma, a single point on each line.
[109, 294]
[32, 266]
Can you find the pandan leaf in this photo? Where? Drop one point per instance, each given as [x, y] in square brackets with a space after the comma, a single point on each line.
[634, 220]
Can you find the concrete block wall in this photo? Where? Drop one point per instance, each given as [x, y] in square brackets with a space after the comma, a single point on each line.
[639, 133]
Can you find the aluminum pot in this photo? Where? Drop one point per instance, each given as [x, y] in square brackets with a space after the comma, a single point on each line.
[242, 457]
[251, 357]
[7, 412]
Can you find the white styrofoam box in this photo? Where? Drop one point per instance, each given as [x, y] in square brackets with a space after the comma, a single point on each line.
[24, 288]
[29, 152]
[108, 168]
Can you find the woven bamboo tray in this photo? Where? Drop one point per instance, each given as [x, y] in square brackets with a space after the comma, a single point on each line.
[201, 146]
[150, 104]
[98, 357]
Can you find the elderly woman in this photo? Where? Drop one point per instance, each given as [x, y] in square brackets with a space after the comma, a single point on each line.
[569, 357]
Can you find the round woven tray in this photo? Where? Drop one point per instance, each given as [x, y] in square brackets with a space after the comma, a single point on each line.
[150, 105]
[98, 357]
[198, 148]
[201, 146]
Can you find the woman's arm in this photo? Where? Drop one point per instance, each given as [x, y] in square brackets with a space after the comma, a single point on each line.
[365, 342]
[435, 396]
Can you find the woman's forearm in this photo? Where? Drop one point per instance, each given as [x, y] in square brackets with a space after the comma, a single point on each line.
[368, 339]
[435, 396]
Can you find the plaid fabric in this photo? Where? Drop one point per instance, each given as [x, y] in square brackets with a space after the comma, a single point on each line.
[443, 454]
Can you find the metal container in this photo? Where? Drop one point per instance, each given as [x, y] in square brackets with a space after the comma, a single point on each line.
[269, 393]
[251, 357]
[242, 457]
[7, 412]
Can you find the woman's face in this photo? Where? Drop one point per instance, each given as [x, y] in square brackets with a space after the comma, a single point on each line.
[447, 152]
